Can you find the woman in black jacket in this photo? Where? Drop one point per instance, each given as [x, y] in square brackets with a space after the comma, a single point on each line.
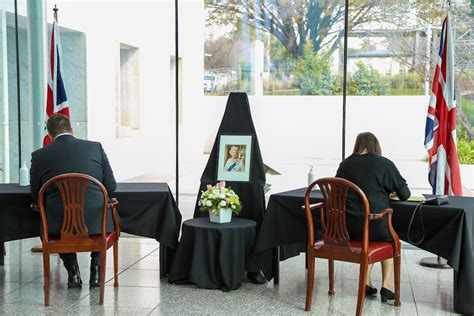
[378, 177]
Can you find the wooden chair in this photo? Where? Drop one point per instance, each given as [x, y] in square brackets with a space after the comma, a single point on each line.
[336, 244]
[74, 233]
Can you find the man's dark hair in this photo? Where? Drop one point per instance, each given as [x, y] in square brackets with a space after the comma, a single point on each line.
[58, 124]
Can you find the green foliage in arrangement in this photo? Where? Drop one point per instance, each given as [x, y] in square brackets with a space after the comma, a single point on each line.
[217, 197]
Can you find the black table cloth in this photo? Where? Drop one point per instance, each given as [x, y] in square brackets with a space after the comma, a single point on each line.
[449, 232]
[145, 209]
[214, 256]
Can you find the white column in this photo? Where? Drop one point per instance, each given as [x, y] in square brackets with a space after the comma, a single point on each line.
[4, 132]
[427, 87]
[37, 75]
[257, 67]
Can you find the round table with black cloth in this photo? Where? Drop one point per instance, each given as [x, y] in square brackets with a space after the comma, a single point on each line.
[214, 256]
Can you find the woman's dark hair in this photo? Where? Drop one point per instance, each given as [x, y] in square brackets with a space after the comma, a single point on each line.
[367, 141]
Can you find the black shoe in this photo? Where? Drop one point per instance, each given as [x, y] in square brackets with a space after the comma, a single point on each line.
[370, 291]
[256, 278]
[95, 275]
[74, 276]
[386, 294]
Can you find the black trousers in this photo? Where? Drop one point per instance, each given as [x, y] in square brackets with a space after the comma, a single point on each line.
[70, 259]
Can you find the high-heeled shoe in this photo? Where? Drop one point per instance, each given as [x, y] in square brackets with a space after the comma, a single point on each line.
[386, 294]
[370, 291]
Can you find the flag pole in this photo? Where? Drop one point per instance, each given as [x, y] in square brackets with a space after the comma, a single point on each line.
[344, 78]
[176, 59]
[438, 262]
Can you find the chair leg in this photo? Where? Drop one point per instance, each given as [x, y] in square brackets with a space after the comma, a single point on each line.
[362, 280]
[46, 269]
[116, 264]
[310, 283]
[331, 277]
[103, 257]
[396, 261]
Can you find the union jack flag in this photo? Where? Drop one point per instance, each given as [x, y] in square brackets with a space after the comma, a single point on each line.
[440, 131]
[56, 99]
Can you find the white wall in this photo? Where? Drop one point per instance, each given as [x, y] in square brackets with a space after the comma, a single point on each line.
[311, 126]
[149, 26]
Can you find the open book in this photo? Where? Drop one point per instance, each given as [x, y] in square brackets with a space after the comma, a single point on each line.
[413, 198]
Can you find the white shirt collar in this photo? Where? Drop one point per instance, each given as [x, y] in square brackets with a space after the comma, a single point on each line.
[62, 134]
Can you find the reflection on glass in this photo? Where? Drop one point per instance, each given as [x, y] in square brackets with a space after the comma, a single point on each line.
[273, 47]
[391, 60]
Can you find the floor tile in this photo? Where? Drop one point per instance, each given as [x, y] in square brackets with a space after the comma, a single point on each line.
[21, 310]
[147, 263]
[424, 291]
[20, 274]
[432, 294]
[8, 287]
[419, 274]
[144, 278]
[124, 296]
[106, 310]
[435, 309]
[33, 294]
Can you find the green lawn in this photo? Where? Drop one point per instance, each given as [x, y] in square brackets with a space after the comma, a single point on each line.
[403, 91]
[468, 109]
[393, 91]
[283, 92]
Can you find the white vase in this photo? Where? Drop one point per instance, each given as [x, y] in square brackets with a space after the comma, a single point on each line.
[225, 216]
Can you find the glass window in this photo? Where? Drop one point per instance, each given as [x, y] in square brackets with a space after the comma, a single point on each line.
[8, 93]
[287, 56]
[391, 61]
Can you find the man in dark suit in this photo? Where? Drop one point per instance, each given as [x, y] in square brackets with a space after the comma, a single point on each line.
[67, 154]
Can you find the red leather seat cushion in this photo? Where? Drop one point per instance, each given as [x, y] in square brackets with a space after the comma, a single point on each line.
[110, 238]
[378, 250]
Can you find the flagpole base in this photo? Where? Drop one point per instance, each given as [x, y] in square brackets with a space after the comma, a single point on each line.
[435, 263]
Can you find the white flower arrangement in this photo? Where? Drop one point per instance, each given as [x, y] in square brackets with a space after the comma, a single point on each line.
[217, 197]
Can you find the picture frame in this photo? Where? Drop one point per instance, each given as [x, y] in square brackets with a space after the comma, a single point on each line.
[234, 157]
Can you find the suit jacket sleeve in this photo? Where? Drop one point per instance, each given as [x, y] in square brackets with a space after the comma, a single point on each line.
[35, 178]
[109, 179]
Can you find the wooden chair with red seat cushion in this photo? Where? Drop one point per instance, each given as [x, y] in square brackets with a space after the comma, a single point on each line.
[74, 233]
[336, 244]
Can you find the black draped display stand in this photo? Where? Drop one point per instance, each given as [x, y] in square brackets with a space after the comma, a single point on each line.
[238, 120]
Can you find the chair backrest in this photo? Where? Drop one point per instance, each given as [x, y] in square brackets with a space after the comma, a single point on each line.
[72, 188]
[333, 213]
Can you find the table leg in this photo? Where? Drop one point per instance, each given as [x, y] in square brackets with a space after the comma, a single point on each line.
[2, 253]
[276, 265]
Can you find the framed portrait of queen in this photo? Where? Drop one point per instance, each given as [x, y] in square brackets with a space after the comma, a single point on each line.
[234, 158]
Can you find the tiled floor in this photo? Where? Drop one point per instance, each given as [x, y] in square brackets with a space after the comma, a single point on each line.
[141, 292]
